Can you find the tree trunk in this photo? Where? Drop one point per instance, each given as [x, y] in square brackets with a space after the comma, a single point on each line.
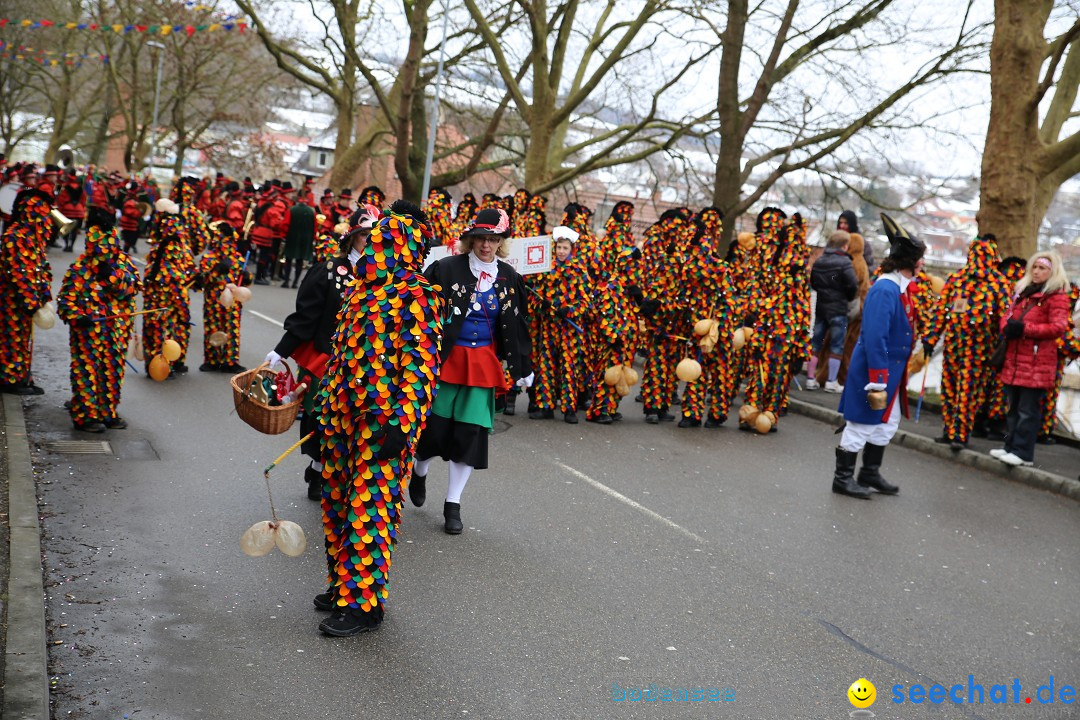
[727, 186]
[1011, 169]
[340, 176]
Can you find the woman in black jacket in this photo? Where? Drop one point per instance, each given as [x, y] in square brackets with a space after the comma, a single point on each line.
[309, 330]
[487, 328]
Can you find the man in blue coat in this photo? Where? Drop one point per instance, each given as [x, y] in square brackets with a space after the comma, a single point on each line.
[879, 364]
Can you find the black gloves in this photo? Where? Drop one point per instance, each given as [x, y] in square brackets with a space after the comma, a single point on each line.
[635, 293]
[198, 282]
[104, 272]
[246, 279]
[223, 267]
[928, 348]
[649, 307]
[750, 320]
[82, 321]
[636, 253]
[392, 443]
[1014, 329]
[563, 311]
[671, 248]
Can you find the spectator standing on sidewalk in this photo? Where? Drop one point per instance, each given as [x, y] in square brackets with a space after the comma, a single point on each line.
[1037, 319]
[833, 278]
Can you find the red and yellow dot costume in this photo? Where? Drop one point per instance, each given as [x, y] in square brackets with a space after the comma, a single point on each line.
[170, 271]
[466, 211]
[760, 281]
[25, 283]
[101, 283]
[217, 317]
[379, 381]
[440, 215]
[966, 323]
[621, 328]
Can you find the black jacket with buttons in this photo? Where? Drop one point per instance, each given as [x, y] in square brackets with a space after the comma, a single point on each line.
[512, 343]
[318, 300]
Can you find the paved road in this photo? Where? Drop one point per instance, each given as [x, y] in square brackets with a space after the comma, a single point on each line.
[593, 556]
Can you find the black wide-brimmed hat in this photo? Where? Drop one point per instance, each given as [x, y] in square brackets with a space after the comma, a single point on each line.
[489, 221]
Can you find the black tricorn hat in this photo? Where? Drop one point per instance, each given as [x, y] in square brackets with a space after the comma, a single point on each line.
[902, 244]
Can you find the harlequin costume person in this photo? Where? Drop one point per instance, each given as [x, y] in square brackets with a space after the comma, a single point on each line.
[561, 297]
[197, 231]
[309, 329]
[965, 323]
[100, 284]
[25, 285]
[784, 323]
[438, 209]
[618, 234]
[371, 195]
[375, 398]
[170, 272]
[487, 324]
[879, 364]
[518, 208]
[761, 284]
[465, 213]
[269, 223]
[220, 265]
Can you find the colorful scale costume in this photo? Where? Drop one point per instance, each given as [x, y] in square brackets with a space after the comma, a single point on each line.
[784, 322]
[199, 235]
[533, 220]
[761, 281]
[217, 317]
[966, 323]
[101, 283]
[559, 351]
[466, 211]
[326, 245]
[378, 385]
[170, 271]
[25, 284]
[519, 207]
[439, 214]
[622, 328]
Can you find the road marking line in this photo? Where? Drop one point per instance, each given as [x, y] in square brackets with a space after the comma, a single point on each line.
[267, 318]
[627, 501]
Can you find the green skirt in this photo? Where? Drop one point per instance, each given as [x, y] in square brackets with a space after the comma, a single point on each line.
[474, 405]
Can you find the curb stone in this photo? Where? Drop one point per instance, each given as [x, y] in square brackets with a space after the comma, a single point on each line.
[1041, 479]
[26, 678]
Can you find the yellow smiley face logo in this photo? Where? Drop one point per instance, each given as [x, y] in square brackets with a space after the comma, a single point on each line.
[862, 693]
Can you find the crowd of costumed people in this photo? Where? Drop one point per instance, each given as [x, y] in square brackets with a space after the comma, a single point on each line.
[402, 362]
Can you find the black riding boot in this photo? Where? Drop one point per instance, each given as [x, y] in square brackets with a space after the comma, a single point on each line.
[452, 518]
[844, 477]
[869, 475]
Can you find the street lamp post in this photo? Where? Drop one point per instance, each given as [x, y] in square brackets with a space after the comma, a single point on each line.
[157, 95]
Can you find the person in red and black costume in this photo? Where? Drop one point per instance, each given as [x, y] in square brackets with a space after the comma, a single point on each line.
[309, 330]
[340, 212]
[325, 208]
[71, 201]
[304, 194]
[236, 207]
[129, 219]
[269, 219]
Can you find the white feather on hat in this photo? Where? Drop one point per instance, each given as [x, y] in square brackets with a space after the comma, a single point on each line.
[564, 233]
[167, 206]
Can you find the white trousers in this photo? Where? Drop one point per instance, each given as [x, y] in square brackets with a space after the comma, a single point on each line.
[856, 435]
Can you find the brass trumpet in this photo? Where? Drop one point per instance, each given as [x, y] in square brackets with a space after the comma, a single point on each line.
[63, 222]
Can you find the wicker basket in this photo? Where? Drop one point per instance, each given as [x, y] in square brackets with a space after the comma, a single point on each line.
[265, 419]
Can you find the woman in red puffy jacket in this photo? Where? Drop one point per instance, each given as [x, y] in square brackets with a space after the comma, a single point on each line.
[1038, 317]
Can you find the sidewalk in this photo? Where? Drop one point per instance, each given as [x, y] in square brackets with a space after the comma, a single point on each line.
[1057, 467]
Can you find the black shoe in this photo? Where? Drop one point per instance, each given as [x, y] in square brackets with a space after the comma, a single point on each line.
[541, 414]
[746, 427]
[324, 601]
[418, 490]
[261, 281]
[116, 423]
[180, 368]
[1046, 440]
[351, 621]
[509, 409]
[452, 518]
[639, 398]
[570, 418]
[90, 427]
[712, 422]
[870, 475]
[665, 416]
[234, 369]
[314, 480]
[209, 367]
[616, 417]
[23, 388]
[69, 248]
[689, 422]
[600, 419]
[285, 284]
[844, 476]
[652, 419]
[957, 445]
[980, 431]
[295, 284]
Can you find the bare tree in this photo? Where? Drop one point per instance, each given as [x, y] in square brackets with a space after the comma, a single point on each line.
[1026, 160]
[767, 124]
[573, 49]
